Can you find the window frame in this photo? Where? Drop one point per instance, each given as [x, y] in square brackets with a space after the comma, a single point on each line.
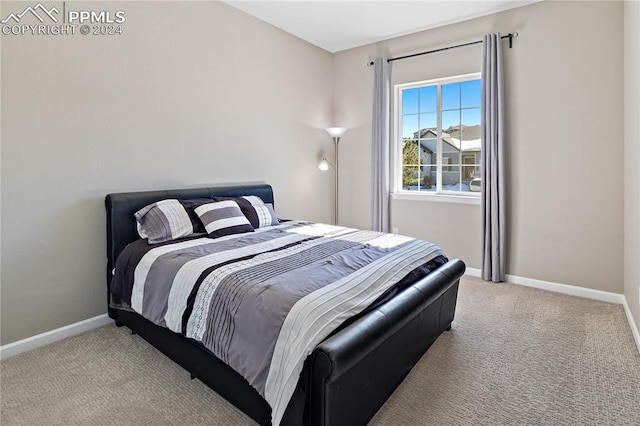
[438, 194]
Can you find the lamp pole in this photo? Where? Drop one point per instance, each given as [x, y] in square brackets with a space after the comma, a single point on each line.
[336, 140]
[335, 133]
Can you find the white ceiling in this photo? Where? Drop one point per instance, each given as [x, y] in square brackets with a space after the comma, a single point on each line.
[340, 25]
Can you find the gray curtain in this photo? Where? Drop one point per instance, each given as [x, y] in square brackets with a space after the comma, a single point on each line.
[380, 148]
[493, 198]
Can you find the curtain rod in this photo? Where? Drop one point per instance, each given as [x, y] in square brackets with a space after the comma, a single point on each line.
[510, 36]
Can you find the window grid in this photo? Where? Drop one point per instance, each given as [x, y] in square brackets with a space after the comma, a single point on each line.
[459, 162]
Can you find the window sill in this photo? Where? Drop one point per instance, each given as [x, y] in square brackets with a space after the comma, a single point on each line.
[440, 198]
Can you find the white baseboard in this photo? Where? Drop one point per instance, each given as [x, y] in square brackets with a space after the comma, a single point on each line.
[589, 293]
[632, 323]
[473, 272]
[38, 340]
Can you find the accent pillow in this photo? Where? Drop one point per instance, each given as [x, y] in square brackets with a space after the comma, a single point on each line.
[258, 213]
[223, 218]
[272, 214]
[162, 221]
[263, 212]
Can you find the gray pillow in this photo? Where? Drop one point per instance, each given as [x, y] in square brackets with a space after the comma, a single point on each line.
[162, 221]
[223, 218]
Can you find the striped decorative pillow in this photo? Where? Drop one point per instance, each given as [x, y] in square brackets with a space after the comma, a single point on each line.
[254, 209]
[163, 221]
[258, 213]
[223, 218]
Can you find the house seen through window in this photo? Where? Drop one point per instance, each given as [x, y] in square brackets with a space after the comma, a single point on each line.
[439, 136]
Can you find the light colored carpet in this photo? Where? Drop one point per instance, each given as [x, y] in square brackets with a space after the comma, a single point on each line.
[515, 356]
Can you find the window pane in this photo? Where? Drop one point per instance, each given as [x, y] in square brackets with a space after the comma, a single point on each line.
[470, 171]
[409, 126]
[450, 159]
[428, 178]
[450, 147]
[451, 179]
[428, 121]
[429, 151]
[475, 184]
[410, 152]
[429, 99]
[471, 117]
[410, 101]
[410, 178]
[471, 131]
[451, 96]
[471, 93]
[450, 121]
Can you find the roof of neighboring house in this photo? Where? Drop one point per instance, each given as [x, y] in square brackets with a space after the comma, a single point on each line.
[470, 138]
[468, 132]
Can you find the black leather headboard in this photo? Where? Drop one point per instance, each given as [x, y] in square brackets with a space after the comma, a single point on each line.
[121, 224]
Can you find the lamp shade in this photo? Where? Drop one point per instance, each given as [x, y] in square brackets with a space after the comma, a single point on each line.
[336, 132]
[324, 165]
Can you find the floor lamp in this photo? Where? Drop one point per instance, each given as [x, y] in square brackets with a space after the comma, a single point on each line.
[335, 133]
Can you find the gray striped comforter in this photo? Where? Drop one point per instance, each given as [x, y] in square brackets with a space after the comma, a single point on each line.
[262, 301]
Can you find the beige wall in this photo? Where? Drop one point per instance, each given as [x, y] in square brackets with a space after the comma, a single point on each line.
[564, 133]
[192, 93]
[200, 93]
[632, 157]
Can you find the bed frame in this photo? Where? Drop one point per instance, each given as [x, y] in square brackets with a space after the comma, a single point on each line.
[349, 376]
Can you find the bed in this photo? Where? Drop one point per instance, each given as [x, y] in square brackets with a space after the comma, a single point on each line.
[348, 375]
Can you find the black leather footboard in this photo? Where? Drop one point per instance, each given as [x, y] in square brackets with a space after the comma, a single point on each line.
[357, 369]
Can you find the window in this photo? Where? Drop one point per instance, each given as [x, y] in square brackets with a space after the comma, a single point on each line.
[438, 136]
